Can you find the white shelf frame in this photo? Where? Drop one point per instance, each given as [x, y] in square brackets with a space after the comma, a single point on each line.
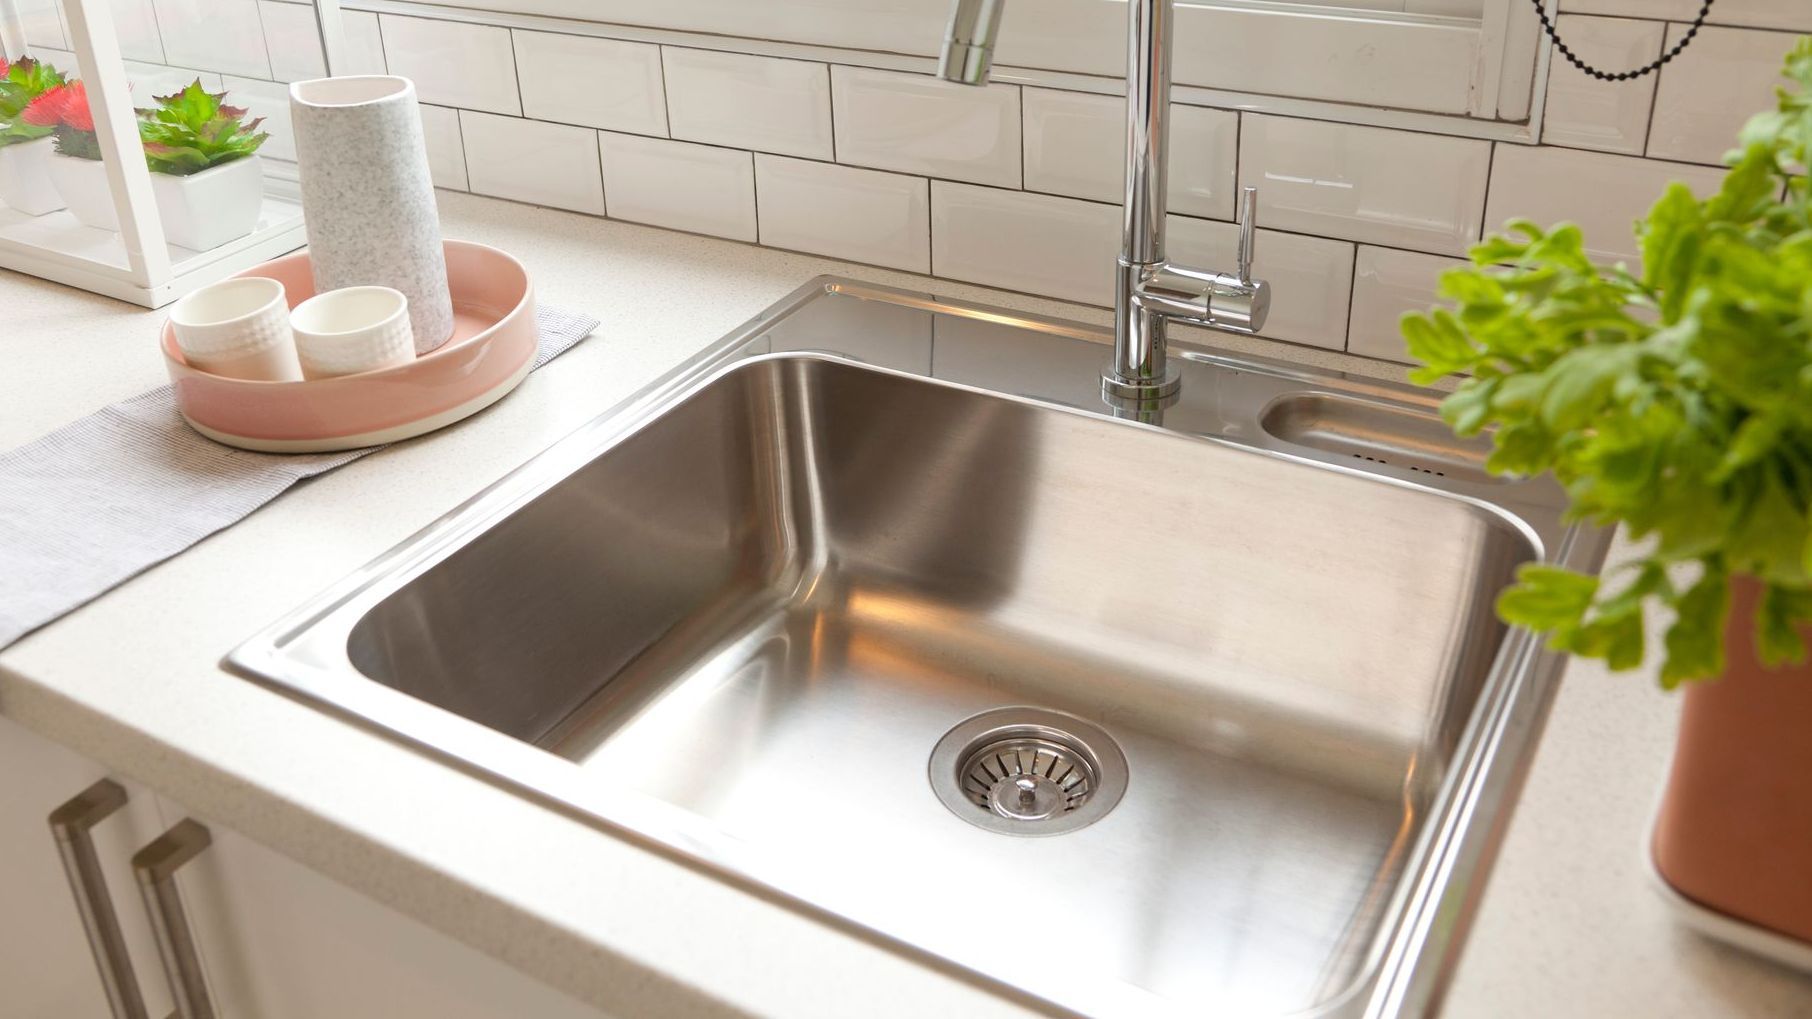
[150, 275]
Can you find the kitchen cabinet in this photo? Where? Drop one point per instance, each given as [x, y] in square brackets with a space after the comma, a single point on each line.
[46, 968]
[275, 939]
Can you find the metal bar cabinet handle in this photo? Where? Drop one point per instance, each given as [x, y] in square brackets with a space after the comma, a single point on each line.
[155, 866]
[72, 824]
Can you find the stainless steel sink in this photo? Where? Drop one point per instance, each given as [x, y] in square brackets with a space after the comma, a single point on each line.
[1192, 707]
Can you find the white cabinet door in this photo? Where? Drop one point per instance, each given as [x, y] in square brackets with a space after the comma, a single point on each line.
[46, 969]
[280, 941]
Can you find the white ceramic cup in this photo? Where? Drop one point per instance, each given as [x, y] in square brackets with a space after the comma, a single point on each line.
[238, 328]
[354, 329]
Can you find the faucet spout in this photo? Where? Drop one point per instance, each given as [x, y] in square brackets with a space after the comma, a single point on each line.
[968, 51]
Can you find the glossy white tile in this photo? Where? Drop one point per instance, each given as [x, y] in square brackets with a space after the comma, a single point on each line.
[679, 185]
[293, 39]
[446, 149]
[1038, 244]
[214, 35]
[749, 102]
[1311, 277]
[605, 83]
[364, 43]
[1708, 92]
[845, 212]
[1075, 144]
[1604, 193]
[42, 26]
[1591, 114]
[1784, 14]
[1387, 283]
[269, 100]
[162, 79]
[471, 67]
[529, 161]
[918, 123]
[135, 23]
[1366, 184]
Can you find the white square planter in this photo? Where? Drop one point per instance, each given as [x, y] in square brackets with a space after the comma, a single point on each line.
[208, 209]
[82, 184]
[25, 178]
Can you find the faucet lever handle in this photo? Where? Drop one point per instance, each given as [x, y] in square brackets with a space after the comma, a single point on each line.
[1248, 232]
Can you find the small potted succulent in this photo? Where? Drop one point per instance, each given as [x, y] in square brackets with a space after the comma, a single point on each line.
[25, 147]
[206, 177]
[75, 165]
[1677, 403]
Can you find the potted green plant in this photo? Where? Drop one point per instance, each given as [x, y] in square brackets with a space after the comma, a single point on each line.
[25, 147]
[1676, 403]
[205, 174]
[75, 162]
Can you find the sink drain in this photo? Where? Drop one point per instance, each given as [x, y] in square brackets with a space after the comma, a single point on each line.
[1028, 771]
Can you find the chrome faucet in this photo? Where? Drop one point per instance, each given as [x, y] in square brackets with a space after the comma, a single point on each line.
[1149, 291]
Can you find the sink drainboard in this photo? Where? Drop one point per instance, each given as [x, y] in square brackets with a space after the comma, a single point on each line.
[1028, 771]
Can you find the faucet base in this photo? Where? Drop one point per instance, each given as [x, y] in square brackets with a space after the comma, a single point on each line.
[1119, 387]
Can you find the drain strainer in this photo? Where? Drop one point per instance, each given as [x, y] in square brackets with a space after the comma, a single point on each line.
[1028, 771]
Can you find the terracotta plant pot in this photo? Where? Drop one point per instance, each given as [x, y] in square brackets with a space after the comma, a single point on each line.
[1734, 830]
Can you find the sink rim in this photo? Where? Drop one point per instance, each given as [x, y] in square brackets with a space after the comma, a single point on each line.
[1399, 973]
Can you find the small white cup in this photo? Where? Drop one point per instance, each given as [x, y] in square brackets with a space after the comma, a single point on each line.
[354, 329]
[238, 328]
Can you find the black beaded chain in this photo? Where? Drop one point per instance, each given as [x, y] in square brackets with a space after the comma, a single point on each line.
[1692, 30]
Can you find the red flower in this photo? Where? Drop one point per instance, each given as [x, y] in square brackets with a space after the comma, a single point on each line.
[47, 109]
[75, 107]
[4, 67]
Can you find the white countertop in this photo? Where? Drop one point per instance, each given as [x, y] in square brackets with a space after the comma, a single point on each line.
[1568, 926]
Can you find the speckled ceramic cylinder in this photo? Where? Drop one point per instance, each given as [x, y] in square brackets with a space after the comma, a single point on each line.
[367, 197]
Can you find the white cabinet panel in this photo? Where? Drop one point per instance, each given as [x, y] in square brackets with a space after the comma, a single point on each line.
[46, 968]
[280, 941]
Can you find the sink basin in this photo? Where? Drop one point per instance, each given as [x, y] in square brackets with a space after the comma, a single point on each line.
[1132, 710]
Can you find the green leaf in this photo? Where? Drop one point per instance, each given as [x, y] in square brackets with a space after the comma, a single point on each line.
[1778, 621]
[1547, 597]
[1695, 641]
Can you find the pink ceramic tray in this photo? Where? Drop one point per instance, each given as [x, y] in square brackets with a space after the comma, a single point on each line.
[492, 348]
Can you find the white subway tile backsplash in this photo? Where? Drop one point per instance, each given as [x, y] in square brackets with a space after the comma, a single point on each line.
[1387, 283]
[529, 161]
[605, 83]
[1311, 277]
[135, 23]
[364, 43]
[43, 28]
[446, 148]
[1075, 144]
[270, 100]
[1039, 244]
[917, 123]
[162, 79]
[1784, 14]
[845, 212]
[1605, 194]
[1368, 184]
[214, 35]
[762, 103]
[679, 185]
[1591, 114]
[293, 39]
[1708, 92]
[453, 64]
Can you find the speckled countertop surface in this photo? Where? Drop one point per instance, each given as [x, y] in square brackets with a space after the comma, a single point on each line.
[1568, 926]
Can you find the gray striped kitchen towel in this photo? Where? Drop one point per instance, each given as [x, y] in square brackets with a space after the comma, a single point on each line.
[96, 502]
